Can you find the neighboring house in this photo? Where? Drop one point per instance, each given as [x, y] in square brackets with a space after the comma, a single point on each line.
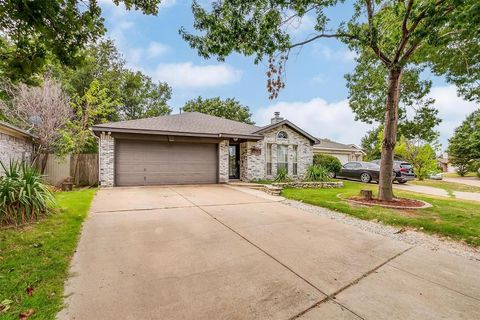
[344, 152]
[15, 144]
[444, 163]
[193, 147]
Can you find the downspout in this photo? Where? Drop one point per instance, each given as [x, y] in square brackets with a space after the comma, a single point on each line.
[98, 162]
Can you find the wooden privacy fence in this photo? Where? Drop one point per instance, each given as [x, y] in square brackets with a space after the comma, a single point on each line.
[57, 169]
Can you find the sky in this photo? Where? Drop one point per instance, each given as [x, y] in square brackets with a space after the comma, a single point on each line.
[315, 97]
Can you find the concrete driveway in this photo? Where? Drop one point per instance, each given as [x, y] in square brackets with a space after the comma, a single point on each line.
[215, 252]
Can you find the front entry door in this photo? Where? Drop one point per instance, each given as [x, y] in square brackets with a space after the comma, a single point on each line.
[234, 161]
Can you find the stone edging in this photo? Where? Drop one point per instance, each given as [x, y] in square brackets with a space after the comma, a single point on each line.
[309, 184]
[425, 204]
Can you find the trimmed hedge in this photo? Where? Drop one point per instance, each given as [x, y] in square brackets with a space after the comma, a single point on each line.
[327, 161]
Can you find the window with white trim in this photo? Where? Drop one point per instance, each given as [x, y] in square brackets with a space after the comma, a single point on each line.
[282, 156]
[269, 159]
[282, 135]
[294, 160]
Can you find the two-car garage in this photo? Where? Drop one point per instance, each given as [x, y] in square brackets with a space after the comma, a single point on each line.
[139, 162]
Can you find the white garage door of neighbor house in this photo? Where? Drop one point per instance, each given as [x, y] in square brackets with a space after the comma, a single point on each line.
[140, 163]
[342, 157]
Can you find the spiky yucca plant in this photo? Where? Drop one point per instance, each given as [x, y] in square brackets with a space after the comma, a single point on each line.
[24, 197]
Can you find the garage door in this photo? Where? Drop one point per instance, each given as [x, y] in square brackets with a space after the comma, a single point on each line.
[342, 157]
[151, 163]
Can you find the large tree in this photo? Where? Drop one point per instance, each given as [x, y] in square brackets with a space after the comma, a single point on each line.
[43, 110]
[464, 145]
[33, 33]
[136, 94]
[142, 98]
[228, 108]
[399, 35]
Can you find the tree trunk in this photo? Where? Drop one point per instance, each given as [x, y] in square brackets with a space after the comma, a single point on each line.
[44, 163]
[75, 169]
[385, 189]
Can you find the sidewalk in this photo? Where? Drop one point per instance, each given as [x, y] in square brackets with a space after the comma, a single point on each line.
[472, 196]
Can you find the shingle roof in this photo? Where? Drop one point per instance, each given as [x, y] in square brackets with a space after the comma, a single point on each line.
[13, 128]
[193, 123]
[186, 122]
[329, 144]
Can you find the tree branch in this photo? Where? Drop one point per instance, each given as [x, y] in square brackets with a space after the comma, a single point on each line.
[373, 40]
[335, 35]
[405, 32]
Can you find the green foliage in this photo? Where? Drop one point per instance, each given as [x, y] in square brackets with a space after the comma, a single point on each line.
[37, 33]
[282, 175]
[136, 95]
[372, 144]
[329, 162]
[95, 106]
[317, 173]
[228, 108]
[23, 195]
[39, 256]
[142, 98]
[464, 145]
[368, 93]
[421, 156]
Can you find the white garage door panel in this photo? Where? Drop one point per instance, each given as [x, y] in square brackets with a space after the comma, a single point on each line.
[153, 163]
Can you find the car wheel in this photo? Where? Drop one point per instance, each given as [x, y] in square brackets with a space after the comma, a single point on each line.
[365, 177]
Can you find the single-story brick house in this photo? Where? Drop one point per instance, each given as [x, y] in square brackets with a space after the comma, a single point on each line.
[344, 152]
[192, 147]
[15, 144]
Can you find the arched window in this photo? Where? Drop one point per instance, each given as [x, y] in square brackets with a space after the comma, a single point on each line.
[282, 135]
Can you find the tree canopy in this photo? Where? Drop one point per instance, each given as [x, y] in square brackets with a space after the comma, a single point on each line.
[35, 33]
[228, 108]
[464, 145]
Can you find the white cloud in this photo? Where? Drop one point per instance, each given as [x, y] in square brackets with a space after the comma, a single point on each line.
[318, 79]
[451, 109]
[156, 49]
[336, 120]
[319, 118]
[188, 75]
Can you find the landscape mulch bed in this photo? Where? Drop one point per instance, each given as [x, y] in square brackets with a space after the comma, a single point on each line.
[395, 203]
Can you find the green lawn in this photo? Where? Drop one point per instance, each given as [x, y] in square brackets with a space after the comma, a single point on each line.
[456, 175]
[446, 185]
[457, 219]
[38, 257]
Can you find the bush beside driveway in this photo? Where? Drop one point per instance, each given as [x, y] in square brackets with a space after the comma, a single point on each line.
[34, 259]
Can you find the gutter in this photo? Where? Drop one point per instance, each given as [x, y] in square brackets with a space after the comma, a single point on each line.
[337, 149]
[98, 129]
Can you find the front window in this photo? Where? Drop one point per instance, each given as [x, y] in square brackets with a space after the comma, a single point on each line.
[282, 157]
[269, 159]
[295, 155]
[282, 135]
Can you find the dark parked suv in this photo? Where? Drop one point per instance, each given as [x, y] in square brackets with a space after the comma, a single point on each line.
[403, 171]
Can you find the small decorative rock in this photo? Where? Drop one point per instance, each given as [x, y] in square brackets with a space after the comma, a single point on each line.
[67, 184]
[366, 194]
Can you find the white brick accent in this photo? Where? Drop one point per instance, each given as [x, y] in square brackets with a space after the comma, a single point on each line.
[253, 164]
[223, 161]
[107, 160]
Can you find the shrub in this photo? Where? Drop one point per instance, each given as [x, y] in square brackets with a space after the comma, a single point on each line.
[23, 195]
[282, 175]
[317, 173]
[331, 163]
